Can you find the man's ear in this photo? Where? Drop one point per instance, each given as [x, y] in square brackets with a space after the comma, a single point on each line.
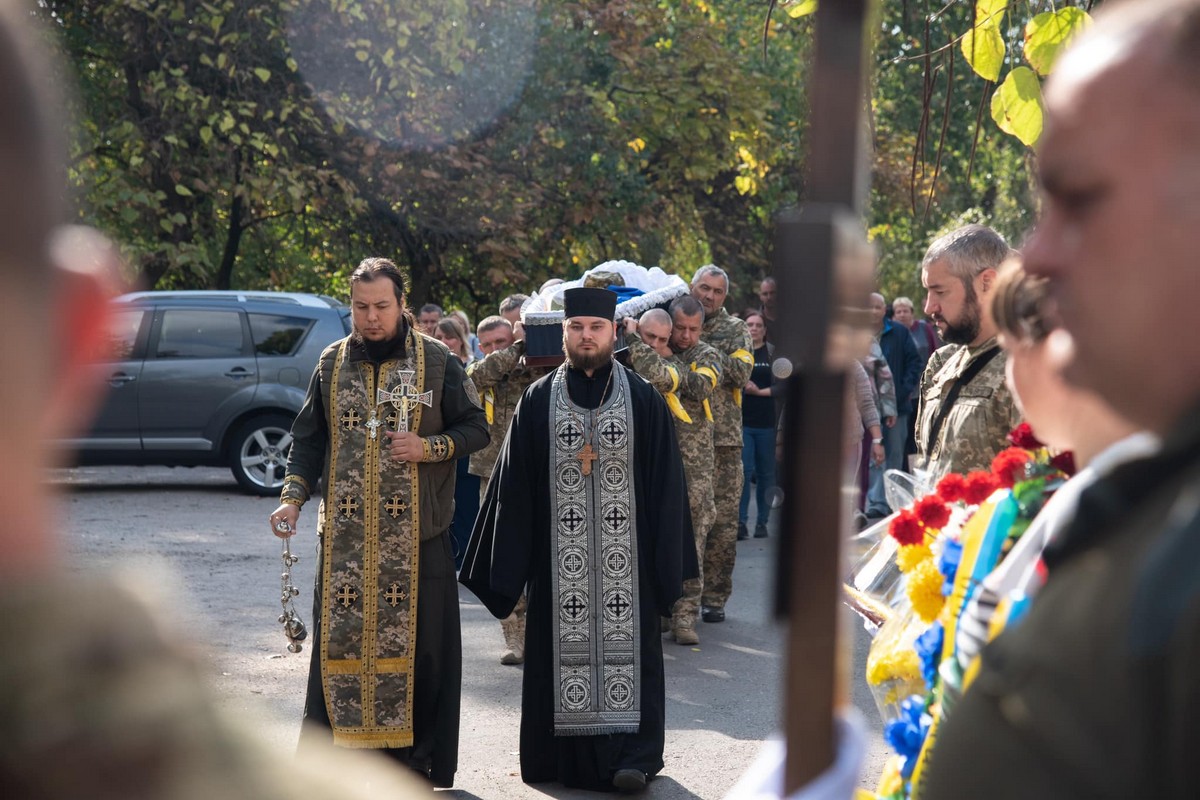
[986, 280]
[87, 278]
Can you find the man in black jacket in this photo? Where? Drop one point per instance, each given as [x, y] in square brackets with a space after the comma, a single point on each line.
[902, 359]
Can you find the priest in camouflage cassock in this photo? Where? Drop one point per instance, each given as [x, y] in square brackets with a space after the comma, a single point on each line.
[665, 349]
[587, 509]
[389, 410]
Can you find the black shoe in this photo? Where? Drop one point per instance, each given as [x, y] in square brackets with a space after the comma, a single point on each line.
[760, 531]
[712, 614]
[629, 780]
[742, 532]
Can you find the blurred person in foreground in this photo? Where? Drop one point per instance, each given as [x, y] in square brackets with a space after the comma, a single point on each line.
[95, 701]
[1064, 418]
[1095, 693]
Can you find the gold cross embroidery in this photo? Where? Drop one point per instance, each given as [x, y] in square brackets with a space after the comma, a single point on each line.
[348, 506]
[394, 595]
[351, 420]
[395, 506]
[346, 595]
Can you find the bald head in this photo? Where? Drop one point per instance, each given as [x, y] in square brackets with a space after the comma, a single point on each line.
[1122, 203]
[654, 327]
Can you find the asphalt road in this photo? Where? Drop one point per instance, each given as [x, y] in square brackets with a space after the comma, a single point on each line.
[204, 550]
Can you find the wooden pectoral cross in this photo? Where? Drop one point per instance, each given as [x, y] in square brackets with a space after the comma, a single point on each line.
[586, 456]
[404, 397]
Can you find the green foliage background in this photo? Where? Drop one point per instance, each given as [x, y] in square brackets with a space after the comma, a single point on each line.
[490, 145]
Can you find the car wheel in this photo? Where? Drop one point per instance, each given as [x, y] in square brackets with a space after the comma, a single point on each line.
[258, 453]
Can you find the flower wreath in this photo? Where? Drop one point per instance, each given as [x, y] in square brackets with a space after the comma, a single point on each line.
[966, 519]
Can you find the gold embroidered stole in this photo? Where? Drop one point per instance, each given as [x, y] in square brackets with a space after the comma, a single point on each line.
[370, 556]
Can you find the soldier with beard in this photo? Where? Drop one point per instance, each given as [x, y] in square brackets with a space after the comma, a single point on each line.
[965, 410]
[587, 508]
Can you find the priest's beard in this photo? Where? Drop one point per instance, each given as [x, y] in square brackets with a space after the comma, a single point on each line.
[966, 329]
[589, 362]
[378, 351]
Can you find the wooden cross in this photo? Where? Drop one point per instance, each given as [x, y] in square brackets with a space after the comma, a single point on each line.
[346, 595]
[395, 506]
[817, 259]
[395, 595]
[405, 397]
[586, 456]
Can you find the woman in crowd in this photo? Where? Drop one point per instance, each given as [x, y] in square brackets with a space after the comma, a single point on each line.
[451, 333]
[925, 338]
[1061, 416]
[758, 429]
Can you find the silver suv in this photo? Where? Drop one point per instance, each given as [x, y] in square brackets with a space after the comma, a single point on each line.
[209, 378]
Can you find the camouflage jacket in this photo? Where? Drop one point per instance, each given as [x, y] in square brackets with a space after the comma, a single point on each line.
[727, 335]
[977, 427]
[687, 380]
[501, 379]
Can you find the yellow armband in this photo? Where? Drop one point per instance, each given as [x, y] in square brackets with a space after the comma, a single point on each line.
[489, 405]
[673, 399]
[707, 372]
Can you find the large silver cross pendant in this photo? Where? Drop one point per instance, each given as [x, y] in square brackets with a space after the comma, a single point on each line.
[404, 397]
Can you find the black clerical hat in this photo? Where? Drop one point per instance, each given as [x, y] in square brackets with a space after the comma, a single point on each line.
[589, 302]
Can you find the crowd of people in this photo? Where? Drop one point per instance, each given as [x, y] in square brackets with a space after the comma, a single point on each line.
[612, 497]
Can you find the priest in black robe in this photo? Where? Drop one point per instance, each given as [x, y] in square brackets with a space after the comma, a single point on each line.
[588, 511]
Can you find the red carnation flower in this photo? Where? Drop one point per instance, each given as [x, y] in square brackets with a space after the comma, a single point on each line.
[951, 488]
[932, 512]
[1064, 461]
[1009, 466]
[1022, 436]
[979, 487]
[906, 529]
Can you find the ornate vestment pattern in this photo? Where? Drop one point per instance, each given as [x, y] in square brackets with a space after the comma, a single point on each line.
[370, 553]
[597, 657]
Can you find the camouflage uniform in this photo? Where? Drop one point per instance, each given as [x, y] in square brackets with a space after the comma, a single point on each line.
[976, 429]
[687, 380]
[727, 335]
[98, 700]
[501, 379]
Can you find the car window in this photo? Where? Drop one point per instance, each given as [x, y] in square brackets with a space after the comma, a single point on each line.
[195, 333]
[122, 333]
[277, 335]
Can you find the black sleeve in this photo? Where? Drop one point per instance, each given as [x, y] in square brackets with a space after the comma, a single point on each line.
[465, 422]
[498, 561]
[310, 435]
